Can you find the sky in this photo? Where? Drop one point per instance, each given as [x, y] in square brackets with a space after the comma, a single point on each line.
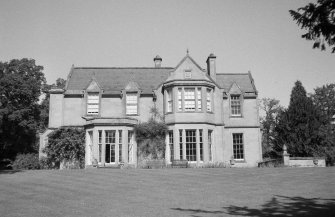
[258, 36]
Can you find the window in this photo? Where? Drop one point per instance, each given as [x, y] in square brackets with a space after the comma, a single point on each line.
[130, 147]
[210, 132]
[199, 98]
[181, 144]
[171, 145]
[100, 145]
[93, 103]
[120, 145]
[189, 98]
[201, 146]
[238, 146]
[191, 144]
[209, 100]
[179, 100]
[110, 146]
[235, 106]
[131, 101]
[169, 100]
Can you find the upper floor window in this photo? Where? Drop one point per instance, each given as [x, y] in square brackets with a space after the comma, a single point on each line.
[199, 98]
[169, 100]
[131, 103]
[209, 100]
[235, 103]
[93, 103]
[179, 100]
[189, 97]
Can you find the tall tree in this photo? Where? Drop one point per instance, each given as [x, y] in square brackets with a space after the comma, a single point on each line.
[44, 107]
[324, 99]
[21, 82]
[271, 108]
[319, 21]
[298, 126]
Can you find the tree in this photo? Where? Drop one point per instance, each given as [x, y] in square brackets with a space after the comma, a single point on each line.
[21, 82]
[324, 99]
[298, 126]
[44, 107]
[271, 108]
[319, 21]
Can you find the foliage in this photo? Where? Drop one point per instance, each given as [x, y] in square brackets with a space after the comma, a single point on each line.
[324, 100]
[26, 162]
[150, 138]
[44, 106]
[271, 109]
[66, 144]
[21, 82]
[301, 127]
[319, 21]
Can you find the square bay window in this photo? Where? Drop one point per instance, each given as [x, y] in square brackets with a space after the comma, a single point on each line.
[93, 103]
[235, 102]
[110, 146]
[191, 145]
[238, 149]
[131, 103]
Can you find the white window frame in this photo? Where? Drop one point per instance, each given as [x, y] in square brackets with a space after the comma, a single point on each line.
[238, 143]
[131, 104]
[93, 103]
[209, 95]
[169, 101]
[236, 105]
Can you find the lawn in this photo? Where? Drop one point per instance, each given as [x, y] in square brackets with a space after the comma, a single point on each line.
[169, 192]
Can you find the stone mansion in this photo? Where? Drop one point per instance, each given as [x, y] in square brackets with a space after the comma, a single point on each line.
[211, 117]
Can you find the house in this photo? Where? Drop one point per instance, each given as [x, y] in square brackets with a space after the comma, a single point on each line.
[211, 117]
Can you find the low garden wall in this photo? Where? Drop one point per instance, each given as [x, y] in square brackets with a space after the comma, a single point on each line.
[306, 162]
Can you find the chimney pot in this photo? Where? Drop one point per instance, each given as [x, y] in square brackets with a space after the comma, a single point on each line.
[158, 61]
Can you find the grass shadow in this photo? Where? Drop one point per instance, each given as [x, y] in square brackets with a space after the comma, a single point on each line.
[10, 171]
[277, 206]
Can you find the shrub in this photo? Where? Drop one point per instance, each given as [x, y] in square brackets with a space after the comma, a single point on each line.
[26, 162]
[66, 145]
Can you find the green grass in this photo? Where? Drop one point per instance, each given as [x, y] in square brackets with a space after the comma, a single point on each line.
[169, 192]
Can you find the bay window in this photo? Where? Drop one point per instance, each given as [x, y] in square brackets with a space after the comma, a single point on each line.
[169, 100]
[209, 100]
[189, 99]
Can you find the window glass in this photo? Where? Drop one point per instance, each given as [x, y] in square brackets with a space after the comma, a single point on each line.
[199, 98]
[130, 147]
[179, 100]
[169, 100]
[201, 146]
[100, 145]
[189, 99]
[120, 145]
[235, 105]
[131, 101]
[210, 145]
[209, 100]
[180, 144]
[93, 103]
[191, 145]
[171, 145]
[238, 146]
[110, 146]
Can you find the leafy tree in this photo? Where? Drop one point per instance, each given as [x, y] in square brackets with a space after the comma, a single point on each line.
[21, 82]
[44, 107]
[319, 21]
[324, 99]
[66, 144]
[271, 108]
[298, 126]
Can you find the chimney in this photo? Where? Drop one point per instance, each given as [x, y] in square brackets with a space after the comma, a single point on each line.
[158, 61]
[211, 66]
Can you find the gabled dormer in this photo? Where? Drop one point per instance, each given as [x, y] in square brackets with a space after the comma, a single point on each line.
[131, 97]
[93, 95]
[236, 100]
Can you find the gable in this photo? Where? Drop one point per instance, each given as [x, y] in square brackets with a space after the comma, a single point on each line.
[93, 86]
[235, 89]
[188, 69]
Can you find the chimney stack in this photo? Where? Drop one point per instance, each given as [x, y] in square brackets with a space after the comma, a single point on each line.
[158, 61]
[211, 66]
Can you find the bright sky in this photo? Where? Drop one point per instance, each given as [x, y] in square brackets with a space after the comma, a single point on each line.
[259, 36]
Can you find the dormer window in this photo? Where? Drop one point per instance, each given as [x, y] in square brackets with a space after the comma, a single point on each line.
[235, 103]
[131, 103]
[93, 103]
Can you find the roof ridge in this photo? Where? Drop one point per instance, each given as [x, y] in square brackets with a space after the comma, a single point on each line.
[123, 67]
[232, 73]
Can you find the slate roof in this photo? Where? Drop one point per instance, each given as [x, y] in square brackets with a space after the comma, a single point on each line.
[147, 78]
[116, 79]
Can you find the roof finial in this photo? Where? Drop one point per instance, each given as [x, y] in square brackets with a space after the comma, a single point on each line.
[187, 51]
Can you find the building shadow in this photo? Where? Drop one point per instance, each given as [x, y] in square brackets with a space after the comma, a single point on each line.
[277, 206]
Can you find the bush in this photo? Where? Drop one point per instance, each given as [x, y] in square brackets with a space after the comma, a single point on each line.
[66, 146]
[26, 162]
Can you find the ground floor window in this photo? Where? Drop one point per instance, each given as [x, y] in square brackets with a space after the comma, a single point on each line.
[171, 145]
[201, 146]
[120, 145]
[238, 149]
[180, 144]
[210, 132]
[130, 146]
[191, 145]
[110, 146]
[100, 145]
